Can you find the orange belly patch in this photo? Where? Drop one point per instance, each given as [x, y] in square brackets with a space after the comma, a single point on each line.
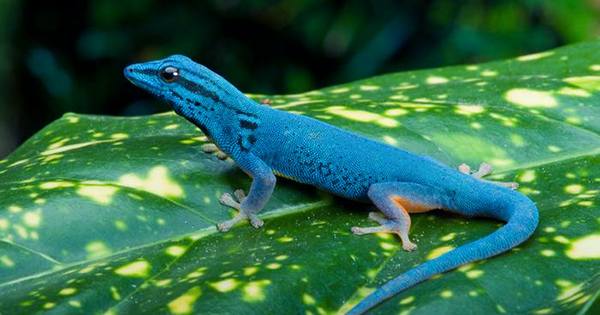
[411, 206]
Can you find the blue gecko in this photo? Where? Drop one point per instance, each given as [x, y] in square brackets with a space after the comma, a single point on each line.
[265, 142]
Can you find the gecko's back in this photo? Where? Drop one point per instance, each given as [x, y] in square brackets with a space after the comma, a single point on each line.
[313, 152]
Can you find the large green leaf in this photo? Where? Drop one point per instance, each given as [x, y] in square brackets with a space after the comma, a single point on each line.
[117, 215]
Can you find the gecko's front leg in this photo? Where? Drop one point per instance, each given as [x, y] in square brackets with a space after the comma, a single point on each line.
[263, 183]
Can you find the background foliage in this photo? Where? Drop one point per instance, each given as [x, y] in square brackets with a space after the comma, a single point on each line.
[60, 56]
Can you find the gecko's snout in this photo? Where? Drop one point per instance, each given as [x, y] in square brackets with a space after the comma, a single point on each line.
[129, 71]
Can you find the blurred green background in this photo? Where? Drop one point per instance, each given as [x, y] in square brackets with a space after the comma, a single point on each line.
[67, 56]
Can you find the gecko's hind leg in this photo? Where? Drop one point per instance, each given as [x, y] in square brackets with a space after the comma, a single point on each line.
[396, 200]
[484, 170]
[235, 202]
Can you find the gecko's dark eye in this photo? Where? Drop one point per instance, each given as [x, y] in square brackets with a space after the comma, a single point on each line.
[169, 74]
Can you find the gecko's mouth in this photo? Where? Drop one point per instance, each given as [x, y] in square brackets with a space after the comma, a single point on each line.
[135, 74]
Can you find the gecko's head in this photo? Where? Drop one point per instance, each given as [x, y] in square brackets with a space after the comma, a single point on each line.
[178, 80]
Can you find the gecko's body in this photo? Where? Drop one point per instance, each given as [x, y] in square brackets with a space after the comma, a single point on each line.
[266, 142]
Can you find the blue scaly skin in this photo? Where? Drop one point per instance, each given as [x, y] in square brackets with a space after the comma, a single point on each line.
[265, 142]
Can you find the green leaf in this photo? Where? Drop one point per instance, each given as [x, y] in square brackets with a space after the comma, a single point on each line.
[117, 215]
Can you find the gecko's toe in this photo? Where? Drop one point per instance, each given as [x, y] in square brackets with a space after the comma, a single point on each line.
[464, 168]
[484, 170]
[357, 230]
[240, 195]
[209, 148]
[256, 222]
[227, 200]
[224, 226]
[409, 247]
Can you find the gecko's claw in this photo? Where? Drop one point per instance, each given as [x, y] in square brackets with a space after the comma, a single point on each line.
[235, 202]
[484, 170]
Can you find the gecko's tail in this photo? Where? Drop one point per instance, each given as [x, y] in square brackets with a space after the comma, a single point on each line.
[522, 220]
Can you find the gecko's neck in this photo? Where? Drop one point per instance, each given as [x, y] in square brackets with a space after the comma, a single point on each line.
[229, 122]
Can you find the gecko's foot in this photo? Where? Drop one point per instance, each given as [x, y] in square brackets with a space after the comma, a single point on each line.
[212, 148]
[484, 170]
[387, 226]
[235, 202]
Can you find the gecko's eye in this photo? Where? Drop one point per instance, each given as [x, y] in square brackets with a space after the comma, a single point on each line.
[169, 74]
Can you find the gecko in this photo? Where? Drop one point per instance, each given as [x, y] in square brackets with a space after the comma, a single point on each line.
[265, 143]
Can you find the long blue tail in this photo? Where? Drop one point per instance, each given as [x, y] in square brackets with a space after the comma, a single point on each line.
[522, 221]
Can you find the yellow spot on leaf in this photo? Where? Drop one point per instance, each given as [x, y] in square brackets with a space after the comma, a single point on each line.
[32, 218]
[591, 82]
[15, 209]
[56, 184]
[171, 127]
[390, 140]
[175, 250]
[340, 90]
[226, 285]
[248, 271]
[407, 300]
[285, 239]
[163, 282]
[448, 237]
[136, 269]
[101, 194]
[72, 119]
[536, 56]
[119, 136]
[530, 98]
[548, 253]
[308, 299]
[569, 91]
[446, 294]
[67, 291]
[157, 182]
[474, 274]
[469, 109]
[369, 87]
[574, 189]
[527, 177]
[4, 224]
[6, 261]
[120, 225]
[489, 73]
[436, 80]
[553, 148]
[96, 249]
[362, 116]
[586, 247]
[184, 304]
[396, 112]
[439, 251]
[273, 266]
[49, 305]
[73, 147]
[254, 291]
